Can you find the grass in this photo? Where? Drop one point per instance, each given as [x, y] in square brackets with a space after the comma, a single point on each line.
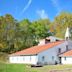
[4, 67]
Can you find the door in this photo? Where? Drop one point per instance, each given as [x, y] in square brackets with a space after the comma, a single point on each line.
[59, 60]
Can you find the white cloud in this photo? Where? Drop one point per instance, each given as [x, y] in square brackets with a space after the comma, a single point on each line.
[42, 14]
[56, 5]
[26, 7]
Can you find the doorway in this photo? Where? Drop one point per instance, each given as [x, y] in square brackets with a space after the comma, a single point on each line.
[59, 60]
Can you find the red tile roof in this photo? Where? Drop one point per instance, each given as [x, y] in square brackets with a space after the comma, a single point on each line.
[37, 49]
[68, 53]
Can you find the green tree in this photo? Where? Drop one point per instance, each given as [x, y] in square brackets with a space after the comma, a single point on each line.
[40, 28]
[26, 36]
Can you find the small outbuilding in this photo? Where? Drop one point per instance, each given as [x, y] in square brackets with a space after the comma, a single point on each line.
[66, 58]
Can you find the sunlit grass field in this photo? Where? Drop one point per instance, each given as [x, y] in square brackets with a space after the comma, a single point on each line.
[6, 67]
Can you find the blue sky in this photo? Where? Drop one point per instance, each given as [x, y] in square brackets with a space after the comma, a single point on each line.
[34, 9]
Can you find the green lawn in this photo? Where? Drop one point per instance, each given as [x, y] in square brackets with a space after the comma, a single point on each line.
[26, 68]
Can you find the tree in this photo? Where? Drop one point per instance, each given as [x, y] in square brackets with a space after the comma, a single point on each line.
[26, 36]
[61, 22]
[15, 36]
[7, 32]
[40, 28]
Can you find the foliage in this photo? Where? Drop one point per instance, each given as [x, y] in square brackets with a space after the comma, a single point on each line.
[40, 28]
[3, 57]
[60, 23]
[15, 36]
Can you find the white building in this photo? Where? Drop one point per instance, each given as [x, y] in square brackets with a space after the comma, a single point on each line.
[47, 53]
[66, 58]
[48, 40]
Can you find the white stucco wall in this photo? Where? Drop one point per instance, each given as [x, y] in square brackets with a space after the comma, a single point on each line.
[52, 52]
[24, 59]
[53, 39]
[66, 60]
[34, 59]
[41, 42]
[69, 42]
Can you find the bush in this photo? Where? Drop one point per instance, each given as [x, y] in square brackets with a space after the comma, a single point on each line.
[3, 57]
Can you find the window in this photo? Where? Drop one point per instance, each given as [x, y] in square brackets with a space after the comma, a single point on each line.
[23, 58]
[47, 41]
[64, 58]
[17, 58]
[59, 50]
[43, 58]
[30, 58]
[57, 40]
[52, 57]
[66, 47]
[66, 38]
[12, 58]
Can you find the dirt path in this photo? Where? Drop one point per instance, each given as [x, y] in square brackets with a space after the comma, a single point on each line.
[64, 70]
